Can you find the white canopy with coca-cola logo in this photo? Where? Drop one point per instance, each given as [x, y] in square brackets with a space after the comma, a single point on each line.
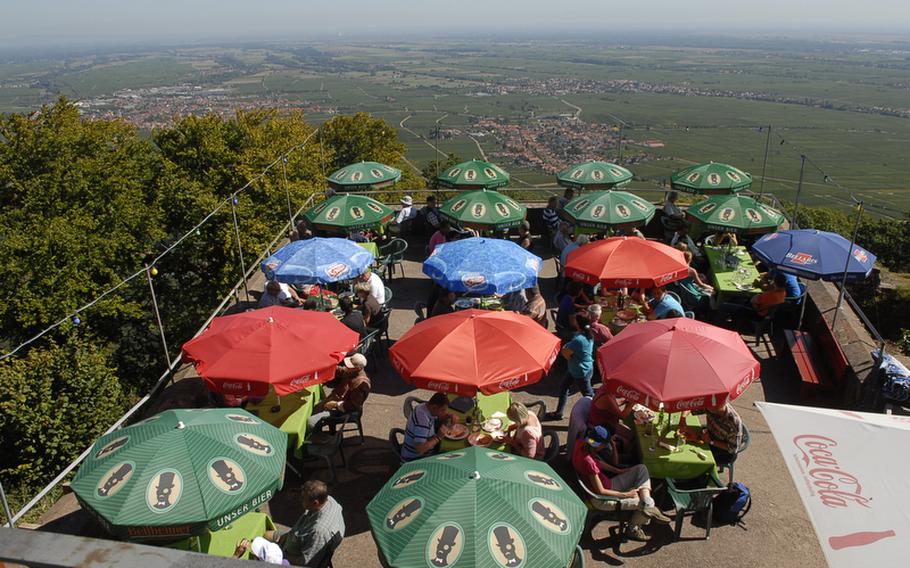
[850, 469]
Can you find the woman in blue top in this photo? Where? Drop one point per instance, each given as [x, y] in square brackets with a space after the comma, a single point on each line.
[579, 352]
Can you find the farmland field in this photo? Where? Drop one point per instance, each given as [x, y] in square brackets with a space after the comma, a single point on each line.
[535, 106]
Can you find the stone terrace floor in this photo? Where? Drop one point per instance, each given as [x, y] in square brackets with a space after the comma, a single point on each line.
[776, 532]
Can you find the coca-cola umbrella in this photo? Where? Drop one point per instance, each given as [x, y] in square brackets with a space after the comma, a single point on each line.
[289, 349]
[620, 262]
[475, 350]
[681, 363]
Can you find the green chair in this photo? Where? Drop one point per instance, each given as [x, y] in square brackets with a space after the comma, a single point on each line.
[578, 561]
[689, 501]
[410, 403]
[597, 514]
[743, 446]
[391, 257]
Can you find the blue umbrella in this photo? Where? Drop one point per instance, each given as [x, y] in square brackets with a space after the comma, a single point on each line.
[317, 261]
[813, 254]
[482, 266]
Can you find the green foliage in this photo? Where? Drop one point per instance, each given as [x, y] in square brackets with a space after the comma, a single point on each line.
[430, 171]
[54, 402]
[904, 341]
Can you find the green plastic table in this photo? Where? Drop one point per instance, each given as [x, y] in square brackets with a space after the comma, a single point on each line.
[487, 405]
[223, 542]
[683, 464]
[372, 248]
[291, 415]
[727, 280]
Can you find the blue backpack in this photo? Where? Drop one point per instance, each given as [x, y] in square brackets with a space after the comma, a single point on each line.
[732, 505]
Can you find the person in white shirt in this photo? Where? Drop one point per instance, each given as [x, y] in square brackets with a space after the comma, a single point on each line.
[377, 288]
[279, 294]
[407, 212]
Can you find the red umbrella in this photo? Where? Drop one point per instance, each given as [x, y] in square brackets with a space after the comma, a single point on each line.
[242, 354]
[619, 262]
[473, 350]
[683, 363]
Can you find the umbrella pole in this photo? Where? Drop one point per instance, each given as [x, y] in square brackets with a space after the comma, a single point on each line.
[843, 281]
[799, 189]
[802, 312]
[761, 189]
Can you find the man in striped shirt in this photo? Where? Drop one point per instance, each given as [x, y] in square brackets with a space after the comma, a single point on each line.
[420, 436]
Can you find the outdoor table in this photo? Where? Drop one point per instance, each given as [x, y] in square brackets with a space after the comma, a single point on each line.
[291, 415]
[732, 281]
[608, 313]
[493, 303]
[370, 247]
[223, 542]
[661, 462]
[487, 405]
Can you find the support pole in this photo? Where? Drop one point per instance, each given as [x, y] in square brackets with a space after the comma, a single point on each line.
[436, 148]
[622, 126]
[799, 189]
[148, 276]
[761, 189]
[6, 511]
[843, 281]
[239, 245]
[287, 191]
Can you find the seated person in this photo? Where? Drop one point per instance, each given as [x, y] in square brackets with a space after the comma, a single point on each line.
[630, 486]
[725, 239]
[319, 529]
[524, 236]
[311, 304]
[444, 304]
[631, 232]
[351, 390]
[578, 421]
[681, 237]
[580, 240]
[661, 304]
[352, 318]
[369, 307]
[791, 285]
[514, 301]
[420, 436]
[260, 549]
[573, 300]
[536, 307]
[440, 236]
[377, 288]
[430, 215]
[606, 410]
[723, 431]
[407, 213]
[279, 294]
[759, 305]
[599, 332]
[673, 215]
[525, 433]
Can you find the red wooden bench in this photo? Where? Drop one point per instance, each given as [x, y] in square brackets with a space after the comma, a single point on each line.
[819, 359]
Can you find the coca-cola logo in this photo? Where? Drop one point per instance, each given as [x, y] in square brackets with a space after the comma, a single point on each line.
[665, 278]
[622, 282]
[235, 386]
[337, 269]
[300, 381]
[691, 403]
[510, 383]
[837, 489]
[438, 386]
[628, 394]
[743, 385]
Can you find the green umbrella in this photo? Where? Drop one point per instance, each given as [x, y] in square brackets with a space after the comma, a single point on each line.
[605, 210]
[711, 178]
[349, 212]
[594, 175]
[735, 213]
[365, 175]
[475, 174]
[180, 472]
[484, 210]
[477, 507]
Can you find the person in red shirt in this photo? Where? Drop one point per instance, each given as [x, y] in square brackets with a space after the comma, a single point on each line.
[440, 236]
[629, 488]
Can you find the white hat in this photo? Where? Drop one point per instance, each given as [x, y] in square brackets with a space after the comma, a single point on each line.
[406, 200]
[355, 360]
[266, 551]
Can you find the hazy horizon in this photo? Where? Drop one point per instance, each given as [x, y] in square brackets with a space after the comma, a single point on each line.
[55, 23]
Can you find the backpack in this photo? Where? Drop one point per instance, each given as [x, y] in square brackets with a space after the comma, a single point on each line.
[732, 504]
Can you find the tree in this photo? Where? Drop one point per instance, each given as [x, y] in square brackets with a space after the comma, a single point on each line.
[429, 171]
[54, 402]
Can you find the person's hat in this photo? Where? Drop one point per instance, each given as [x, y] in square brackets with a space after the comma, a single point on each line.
[356, 360]
[266, 551]
[597, 437]
[407, 201]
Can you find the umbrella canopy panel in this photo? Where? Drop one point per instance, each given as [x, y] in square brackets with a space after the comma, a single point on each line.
[739, 214]
[479, 508]
[349, 212]
[606, 210]
[473, 350]
[484, 210]
[364, 175]
[620, 262]
[709, 178]
[474, 174]
[181, 471]
[594, 175]
[683, 363]
[814, 254]
[482, 266]
[317, 261]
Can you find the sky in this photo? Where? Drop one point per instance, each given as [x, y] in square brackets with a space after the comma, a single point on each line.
[58, 22]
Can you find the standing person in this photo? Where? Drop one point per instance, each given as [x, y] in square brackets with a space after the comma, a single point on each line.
[567, 196]
[420, 436]
[631, 486]
[349, 394]
[377, 288]
[599, 332]
[369, 306]
[319, 529]
[525, 433]
[562, 237]
[536, 308]
[440, 236]
[569, 304]
[524, 236]
[579, 241]
[551, 217]
[579, 352]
